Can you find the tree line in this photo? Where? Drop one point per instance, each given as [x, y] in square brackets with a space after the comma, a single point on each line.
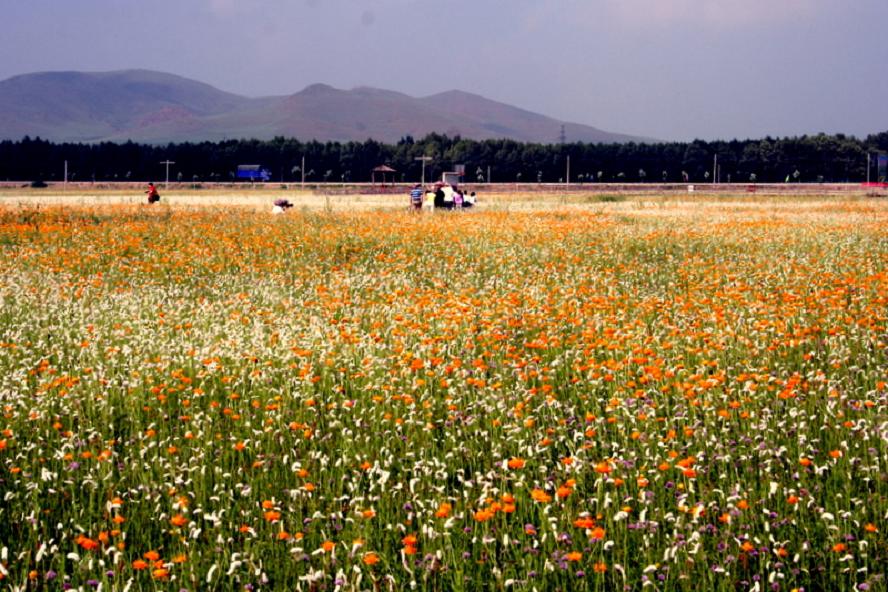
[811, 159]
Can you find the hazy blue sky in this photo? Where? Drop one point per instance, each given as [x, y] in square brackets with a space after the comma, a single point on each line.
[672, 69]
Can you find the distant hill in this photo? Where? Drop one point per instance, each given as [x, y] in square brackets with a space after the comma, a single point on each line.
[155, 107]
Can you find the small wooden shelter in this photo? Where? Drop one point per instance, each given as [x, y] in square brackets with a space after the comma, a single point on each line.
[383, 170]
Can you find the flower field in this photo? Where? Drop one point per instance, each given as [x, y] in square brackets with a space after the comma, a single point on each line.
[196, 399]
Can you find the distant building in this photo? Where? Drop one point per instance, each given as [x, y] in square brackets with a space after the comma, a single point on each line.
[253, 172]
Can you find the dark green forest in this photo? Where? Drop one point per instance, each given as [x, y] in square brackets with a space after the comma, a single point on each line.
[805, 159]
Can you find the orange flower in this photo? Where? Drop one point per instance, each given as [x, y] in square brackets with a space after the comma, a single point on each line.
[152, 556]
[747, 546]
[599, 567]
[371, 558]
[86, 543]
[835, 453]
[516, 463]
[597, 534]
[239, 446]
[178, 520]
[483, 515]
[563, 492]
[574, 556]
[328, 546]
[687, 463]
[140, 564]
[584, 522]
[160, 573]
[409, 541]
[839, 548]
[538, 495]
[272, 516]
[870, 528]
[443, 510]
[267, 505]
[603, 467]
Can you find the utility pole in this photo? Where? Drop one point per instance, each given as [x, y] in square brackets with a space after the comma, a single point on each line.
[424, 160]
[65, 182]
[714, 169]
[303, 171]
[488, 175]
[567, 178]
[167, 163]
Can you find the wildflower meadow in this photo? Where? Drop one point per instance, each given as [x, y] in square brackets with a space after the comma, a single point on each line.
[576, 398]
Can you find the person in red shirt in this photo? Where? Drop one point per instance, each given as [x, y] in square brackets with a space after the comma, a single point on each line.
[153, 195]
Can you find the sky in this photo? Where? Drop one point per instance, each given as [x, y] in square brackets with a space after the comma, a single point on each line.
[667, 69]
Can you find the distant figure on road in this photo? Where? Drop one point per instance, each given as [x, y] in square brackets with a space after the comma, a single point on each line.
[153, 195]
[416, 197]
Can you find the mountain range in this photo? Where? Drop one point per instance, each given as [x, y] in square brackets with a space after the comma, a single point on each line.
[156, 107]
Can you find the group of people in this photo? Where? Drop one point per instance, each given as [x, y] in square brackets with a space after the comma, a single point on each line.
[446, 197]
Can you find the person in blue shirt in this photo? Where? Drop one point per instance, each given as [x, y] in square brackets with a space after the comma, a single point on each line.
[416, 197]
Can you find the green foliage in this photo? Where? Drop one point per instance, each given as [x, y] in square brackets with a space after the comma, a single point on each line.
[835, 158]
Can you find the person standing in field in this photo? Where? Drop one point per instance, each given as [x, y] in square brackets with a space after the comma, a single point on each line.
[439, 196]
[153, 195]
[416, 197]
[457, 199]
[281, 206]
